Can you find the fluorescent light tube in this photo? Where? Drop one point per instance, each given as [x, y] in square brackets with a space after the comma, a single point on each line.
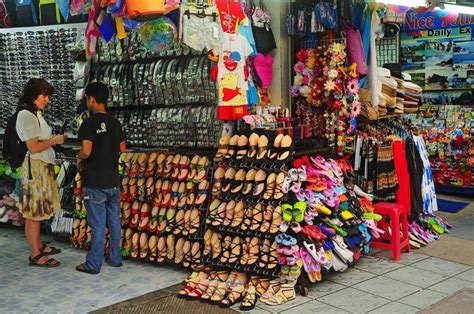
[459, 8]
[407, 3]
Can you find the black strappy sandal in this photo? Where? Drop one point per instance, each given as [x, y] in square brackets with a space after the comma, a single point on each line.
[82, 268]
[53, 251]
[50, 263]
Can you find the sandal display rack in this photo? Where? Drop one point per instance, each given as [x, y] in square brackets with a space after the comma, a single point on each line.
[244, 214]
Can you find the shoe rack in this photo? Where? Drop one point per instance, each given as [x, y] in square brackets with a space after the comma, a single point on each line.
[164, 201]
[245, 213]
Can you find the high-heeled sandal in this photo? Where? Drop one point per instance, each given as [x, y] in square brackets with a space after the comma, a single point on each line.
[259, 184]
[222, 147]
[234, 250]
[229, 213]
[241, 147]
[234, 140]
[253, 143]
[238, 183]
[249, 181]
[135, 248]
[152, 245]
[238, 215]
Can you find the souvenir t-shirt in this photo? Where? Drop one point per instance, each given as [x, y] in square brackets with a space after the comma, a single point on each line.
[100, 170]
[231, 75]
[230, 15]
[29, 126]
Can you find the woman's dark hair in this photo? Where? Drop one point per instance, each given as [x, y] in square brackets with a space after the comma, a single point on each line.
[99, 91]
[34, 88]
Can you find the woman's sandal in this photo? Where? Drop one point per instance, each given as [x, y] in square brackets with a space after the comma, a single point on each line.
[235, 295]
[238, 214]
[179, 251]
[152, 245]
[273, 256]
[253, 251]
[50, 262]
[241, 147]
[219, 175]
[226, 250]
[199, 290]
[267, 219]
[211, 288]
[202, 167]
[170, 247]
[278, 195]
[234, 140]
[161, 251]
[220, 215]
[285, 151]
[257, 217]
[253, 144]
[207, 242]
[144, 217]
[235, 250]
[179, 222]
[213, 210]
[238, 183]
[127, 243]
[265, 254]
[222, 147]
[183, 169]
[259, 184]
[273, 151]
[270, 186]
[194, 221]
[262, 148]
[187, 223]
[247, 221]
[250, 299]
[187, 253]
[144, 249]
[228, 180]
[135, 246]
[203, 192]
[162, 222]
[229, 213]
[170, 219]
[285, 294]
[216, 245]
[249, 181]
[219, 294]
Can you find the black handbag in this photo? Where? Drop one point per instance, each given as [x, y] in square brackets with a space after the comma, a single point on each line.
[264, 39]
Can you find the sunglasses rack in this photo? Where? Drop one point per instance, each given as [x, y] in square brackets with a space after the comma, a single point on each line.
[245, 213]
[40, 52]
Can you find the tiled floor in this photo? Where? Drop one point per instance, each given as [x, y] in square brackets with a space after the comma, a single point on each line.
[376, 284]
[25, 289]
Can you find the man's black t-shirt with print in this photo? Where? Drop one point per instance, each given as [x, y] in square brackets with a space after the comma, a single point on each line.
[100, 170]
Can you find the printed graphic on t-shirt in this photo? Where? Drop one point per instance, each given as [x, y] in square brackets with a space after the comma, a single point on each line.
[103, 128]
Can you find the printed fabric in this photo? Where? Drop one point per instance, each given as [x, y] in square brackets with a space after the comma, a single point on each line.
[428, 191]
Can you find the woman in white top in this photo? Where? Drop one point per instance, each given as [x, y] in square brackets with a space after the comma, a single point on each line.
[39, 197]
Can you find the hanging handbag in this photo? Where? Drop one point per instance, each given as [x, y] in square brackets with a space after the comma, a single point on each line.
[145, 10]
[261, 29]
[5, 19]
[355, 48]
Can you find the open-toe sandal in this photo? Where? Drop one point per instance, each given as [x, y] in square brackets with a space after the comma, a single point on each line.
[241, 147]
[270, 186]
[250, 299]
[238, 183]
[249, 181]
[259, 184]
[222, 147]
[234, 140]
[253, 144]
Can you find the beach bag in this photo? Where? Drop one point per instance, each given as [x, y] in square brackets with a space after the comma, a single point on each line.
[355, 48]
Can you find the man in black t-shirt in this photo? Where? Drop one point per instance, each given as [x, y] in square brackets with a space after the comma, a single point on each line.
[102, 141]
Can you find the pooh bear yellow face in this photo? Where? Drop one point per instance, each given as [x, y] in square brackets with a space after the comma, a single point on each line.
[229, 92]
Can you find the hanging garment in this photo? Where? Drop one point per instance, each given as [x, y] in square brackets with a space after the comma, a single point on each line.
[387, 181]
[428, 191]
[416, 169]
[401, 167]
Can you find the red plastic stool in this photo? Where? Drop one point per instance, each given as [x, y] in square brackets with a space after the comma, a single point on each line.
[397, 215]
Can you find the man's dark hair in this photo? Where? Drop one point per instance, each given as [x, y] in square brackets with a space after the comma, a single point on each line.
[99, 91]
[34, 88]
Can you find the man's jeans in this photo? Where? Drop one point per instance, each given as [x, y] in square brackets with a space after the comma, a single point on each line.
[103, 207]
